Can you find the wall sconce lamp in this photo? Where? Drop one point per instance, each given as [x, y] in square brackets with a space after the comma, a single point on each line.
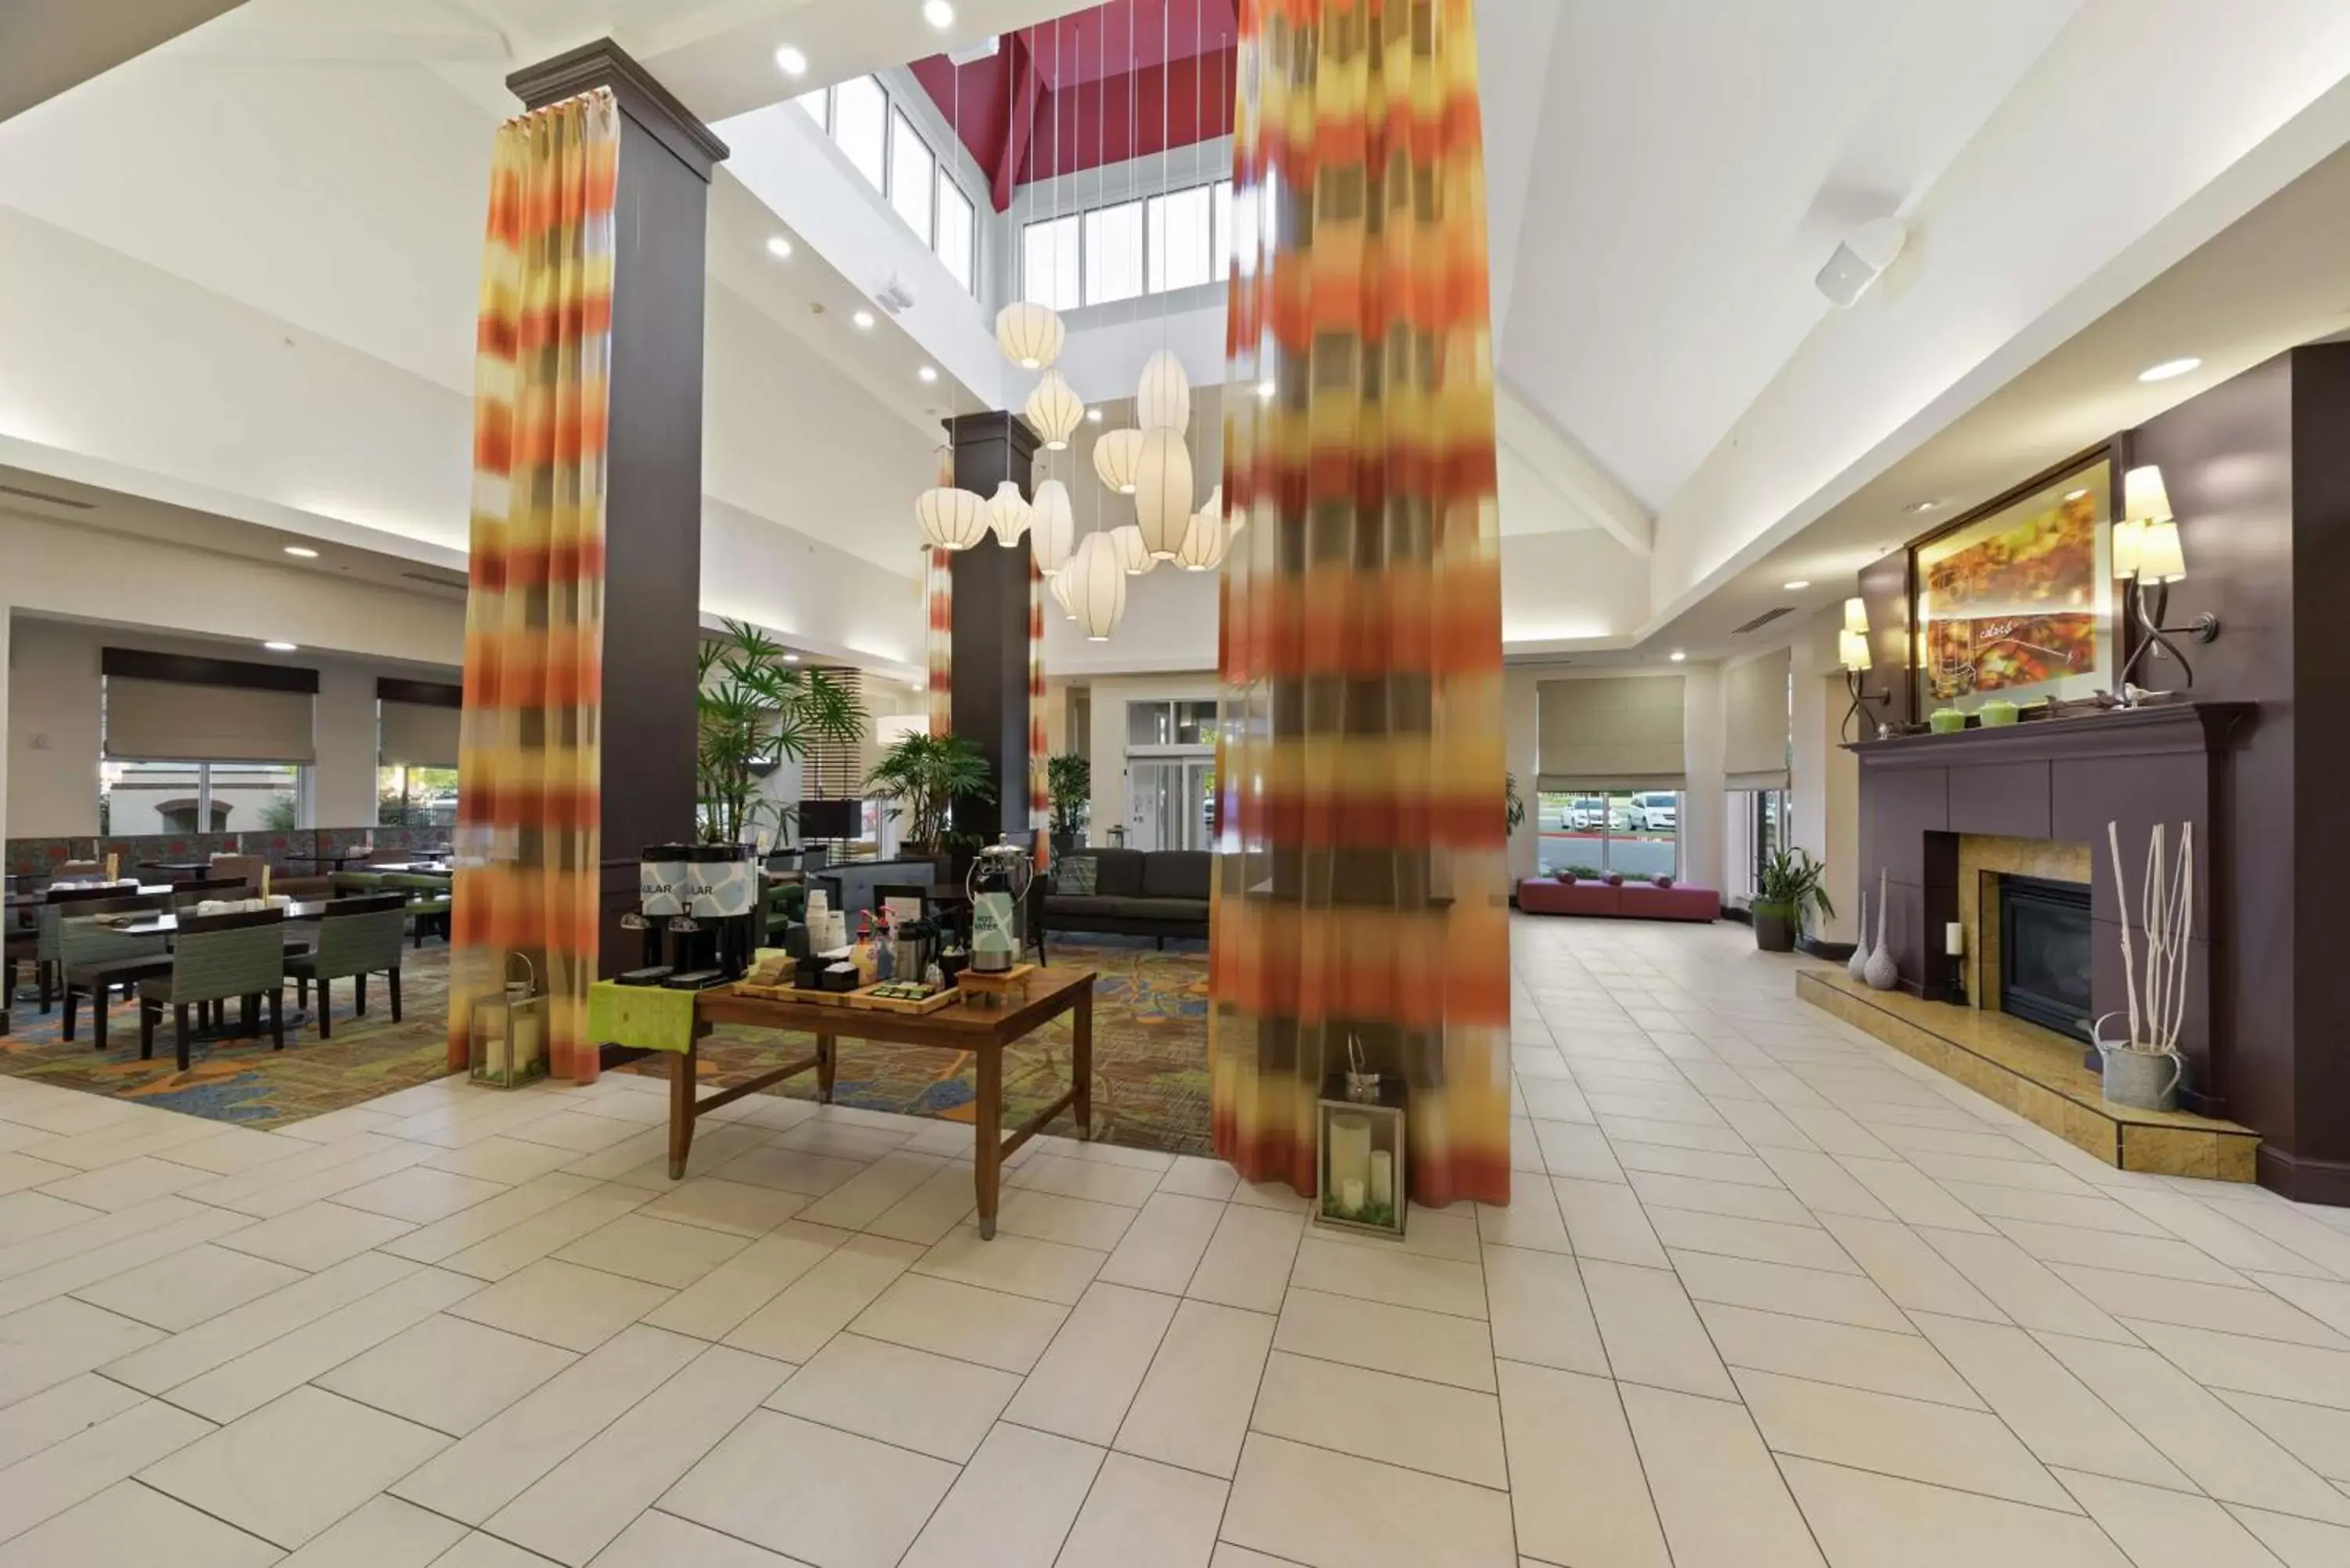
[2148, 557]
[1852, 652]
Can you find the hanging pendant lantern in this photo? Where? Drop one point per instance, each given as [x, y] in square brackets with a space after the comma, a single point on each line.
[1029, 333]
[1052, 527]
[1059, 583]
[1008, 514]
[1236, 517]
[1202, 549]
[1164, 402]
[1118, 460]
[1133, 556]
[1162, 492]
[1054, 411]
[952, 519]
[1097, 587]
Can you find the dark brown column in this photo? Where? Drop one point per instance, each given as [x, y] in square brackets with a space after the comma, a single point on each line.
[991, 623]
[652, 514]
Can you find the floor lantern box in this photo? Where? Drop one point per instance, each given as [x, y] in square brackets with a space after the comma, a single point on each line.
[1358, 1155]
[506, 1033]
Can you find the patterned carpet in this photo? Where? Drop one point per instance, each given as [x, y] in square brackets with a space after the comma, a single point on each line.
[1150, 1055]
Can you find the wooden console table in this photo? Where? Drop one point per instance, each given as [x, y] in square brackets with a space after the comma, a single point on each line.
[983, 1031]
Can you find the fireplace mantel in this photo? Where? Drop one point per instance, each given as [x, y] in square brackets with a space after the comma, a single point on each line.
[2160, 729]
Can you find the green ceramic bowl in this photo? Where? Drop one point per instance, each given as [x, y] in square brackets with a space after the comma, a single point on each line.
[1946, 720]
[1997, 712]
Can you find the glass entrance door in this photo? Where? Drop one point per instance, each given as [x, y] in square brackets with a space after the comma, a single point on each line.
[1168, 801]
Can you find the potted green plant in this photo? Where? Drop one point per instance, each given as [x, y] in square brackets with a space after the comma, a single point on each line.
[1516, 804]
[1794, 886]
[1069, 780]
[752, 711]
[922, 777]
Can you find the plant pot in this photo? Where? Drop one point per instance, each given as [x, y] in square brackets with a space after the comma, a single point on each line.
[2142, 1080]
[1774, 927]
[1065, 844]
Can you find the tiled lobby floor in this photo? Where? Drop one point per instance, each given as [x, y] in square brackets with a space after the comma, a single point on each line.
[1767, 1295]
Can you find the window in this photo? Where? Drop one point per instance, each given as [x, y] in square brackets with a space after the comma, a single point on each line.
[1224, 247]
[815, 103]
[861, 112]
[1170, 725]
[912, 172]
[1634, 832]
[1114, 252]
[416, 798]
[137, 797]
[1048, 269]
[954, 237]
[1181, 239]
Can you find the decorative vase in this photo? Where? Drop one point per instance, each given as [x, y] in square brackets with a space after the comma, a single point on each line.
[2143, 1077]
[1881, 973]
[1858, 966]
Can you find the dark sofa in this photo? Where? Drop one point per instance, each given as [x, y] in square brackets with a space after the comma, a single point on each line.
[1157, 893]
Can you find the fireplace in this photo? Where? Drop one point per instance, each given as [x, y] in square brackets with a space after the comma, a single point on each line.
[2044, 953]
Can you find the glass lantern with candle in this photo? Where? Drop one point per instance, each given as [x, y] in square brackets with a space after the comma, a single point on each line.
[1359, 1155]
[506, 1033]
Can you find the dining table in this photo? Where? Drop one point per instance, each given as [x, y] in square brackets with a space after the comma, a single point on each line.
[163, 925]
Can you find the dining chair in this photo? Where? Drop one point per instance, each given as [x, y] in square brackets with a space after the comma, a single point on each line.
[358, 938]
[245, 870]
[45, 945]
[215, 958]
[95, 957]
[429, 900]
[66, 870]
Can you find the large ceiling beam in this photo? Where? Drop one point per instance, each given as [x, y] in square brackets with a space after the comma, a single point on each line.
[1561, 461]
[48, 45]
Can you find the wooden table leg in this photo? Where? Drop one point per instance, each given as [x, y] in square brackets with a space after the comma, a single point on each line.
[682, 1069]
[987, 1162]
[1081, 1062]
[828, 1057]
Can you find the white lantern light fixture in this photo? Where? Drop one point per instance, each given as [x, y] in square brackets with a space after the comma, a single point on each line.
[952, 519]
[1132, 555]
[1202, 549]
[1097, 587]
[1052, 527]
[1162, 492]
[1059, 583]
[1029, 333]
[1054, 411]
[1118, 460]
[1164, 402]
[1008, 514]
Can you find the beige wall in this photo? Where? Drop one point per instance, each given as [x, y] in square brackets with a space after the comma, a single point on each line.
[1824, 777]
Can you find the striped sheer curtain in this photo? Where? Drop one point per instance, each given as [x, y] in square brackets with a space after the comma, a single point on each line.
[938, 607]
[1359, 884]
[530, 798]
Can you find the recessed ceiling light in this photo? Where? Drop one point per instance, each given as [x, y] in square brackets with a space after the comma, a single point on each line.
[1093, 416]
[779, 247]
[2168, 368]
[1923, 505]
[791, 659]
[281, 648]
[791, 62]
[927, 374]
[1797, 586]
[1677, 656]
[1266, 390]
[2074, 494]
[304, 551]
[915, 684]
[938, 12]
[863, 319]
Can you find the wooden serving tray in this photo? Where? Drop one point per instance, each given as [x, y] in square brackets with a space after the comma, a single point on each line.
[972, 979]
[861, 998]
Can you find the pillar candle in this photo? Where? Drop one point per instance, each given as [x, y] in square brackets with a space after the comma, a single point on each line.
[1382, 1177]
[1350, 1197]
[1954, 938]
[265, 881]
[1350, 1152]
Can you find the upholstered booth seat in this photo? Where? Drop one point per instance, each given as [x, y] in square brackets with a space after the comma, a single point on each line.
[1632, 900]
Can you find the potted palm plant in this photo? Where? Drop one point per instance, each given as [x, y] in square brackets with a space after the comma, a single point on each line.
[922, 776]
[1069, 780]
[752, 711]
[1792, 888]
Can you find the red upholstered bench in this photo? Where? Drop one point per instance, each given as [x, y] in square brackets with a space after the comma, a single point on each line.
[1634, 901]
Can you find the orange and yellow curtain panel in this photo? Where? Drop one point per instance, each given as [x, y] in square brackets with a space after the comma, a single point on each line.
[530, 801]
[1359, 886]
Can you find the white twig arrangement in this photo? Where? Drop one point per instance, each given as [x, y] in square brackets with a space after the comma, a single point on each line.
[2158, 1008]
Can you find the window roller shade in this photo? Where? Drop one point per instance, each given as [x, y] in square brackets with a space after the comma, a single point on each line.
[1610, 733]
[417, 735]
[1754, 754]
[172, 721]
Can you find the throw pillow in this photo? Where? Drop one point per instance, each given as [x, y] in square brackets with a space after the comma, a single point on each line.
[1567, 877]
[1615, 878]
[1664, 881]
[1076, 875]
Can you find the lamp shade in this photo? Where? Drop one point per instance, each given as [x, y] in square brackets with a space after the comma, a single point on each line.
[951, 519]
[2159, 558]
[2145, 498]
[1054, 411]
[1852, 648]
[1133, 557]
[1118, 460]
[1052, 527]
[1097, 587]
[1202, 549]
[1162, 492]
[1163, 400]
[1059, 583]
[1855, 617]
[2129, 546]
[1029, 333]
[1008, 514]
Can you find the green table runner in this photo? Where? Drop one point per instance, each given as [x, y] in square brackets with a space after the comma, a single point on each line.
[646, 1017]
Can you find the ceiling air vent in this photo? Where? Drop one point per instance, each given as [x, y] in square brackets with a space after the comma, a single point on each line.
[49, 500]
[437, 579]
[1760, 621]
